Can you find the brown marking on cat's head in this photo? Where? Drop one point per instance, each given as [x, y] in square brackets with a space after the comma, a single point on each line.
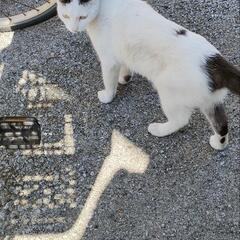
[68, 1]
[65, 1]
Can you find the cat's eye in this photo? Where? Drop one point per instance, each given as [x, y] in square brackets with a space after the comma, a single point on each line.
[66, 16]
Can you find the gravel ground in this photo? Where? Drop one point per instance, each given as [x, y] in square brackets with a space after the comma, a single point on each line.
[13, 7]
[189, 191]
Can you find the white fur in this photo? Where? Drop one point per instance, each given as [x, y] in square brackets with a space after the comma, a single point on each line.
[129, 35]
[215, 142]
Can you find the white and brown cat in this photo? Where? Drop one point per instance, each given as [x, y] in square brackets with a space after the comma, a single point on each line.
[187, 71]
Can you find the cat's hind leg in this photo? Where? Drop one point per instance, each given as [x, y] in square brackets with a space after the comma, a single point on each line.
[218, 120]
[124, 75]
[110, 78]
[178, 117]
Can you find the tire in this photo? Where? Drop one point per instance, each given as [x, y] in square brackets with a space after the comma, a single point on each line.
[30, 18]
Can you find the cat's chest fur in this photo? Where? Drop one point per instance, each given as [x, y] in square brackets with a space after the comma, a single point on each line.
[146, 42]
[114, 47]
[120, 41]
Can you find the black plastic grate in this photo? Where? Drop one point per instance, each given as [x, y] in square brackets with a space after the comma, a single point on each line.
[19, 132]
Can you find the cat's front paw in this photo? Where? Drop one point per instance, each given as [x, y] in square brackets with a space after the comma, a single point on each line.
[105, 97]
[164, 129]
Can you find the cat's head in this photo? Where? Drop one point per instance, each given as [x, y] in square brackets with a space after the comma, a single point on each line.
[77, 14]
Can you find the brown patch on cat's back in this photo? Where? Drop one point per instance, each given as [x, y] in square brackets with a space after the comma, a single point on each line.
[181, 32]
[222, 74]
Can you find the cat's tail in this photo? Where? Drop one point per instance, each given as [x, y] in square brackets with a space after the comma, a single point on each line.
[222, 74]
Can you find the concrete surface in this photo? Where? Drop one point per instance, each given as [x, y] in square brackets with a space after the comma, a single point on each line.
[187, 191]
